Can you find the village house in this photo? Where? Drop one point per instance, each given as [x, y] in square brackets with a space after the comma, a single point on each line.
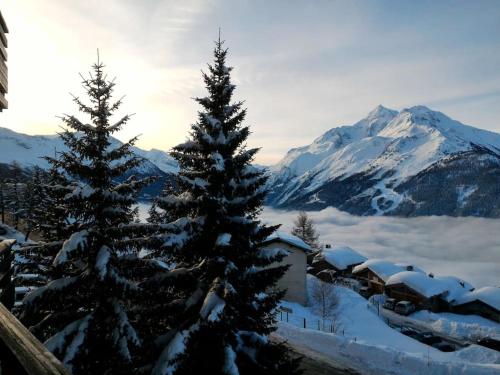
[483, 301]
[295, 278]
[375, 272]
[424, 291]
[336, 261]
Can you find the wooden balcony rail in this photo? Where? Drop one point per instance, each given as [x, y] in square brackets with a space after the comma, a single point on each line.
[20, 352]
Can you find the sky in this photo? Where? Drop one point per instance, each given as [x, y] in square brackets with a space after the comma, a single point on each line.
[302, 67]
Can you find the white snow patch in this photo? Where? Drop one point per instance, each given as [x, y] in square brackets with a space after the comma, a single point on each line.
[289, 239]
[212, 307]
[230, 367]
[382, 268]
[102, 260]
[419, 282]
[468, 327]
[166, 363]
[387, 195]
[74, 242]
[464, 192]
[342, 257]
[57, 342]
[223, 239]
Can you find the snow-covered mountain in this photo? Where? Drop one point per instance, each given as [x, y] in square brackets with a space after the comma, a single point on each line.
[413, 162]
[29, 150]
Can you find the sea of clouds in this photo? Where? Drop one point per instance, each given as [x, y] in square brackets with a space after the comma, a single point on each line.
[465, 247]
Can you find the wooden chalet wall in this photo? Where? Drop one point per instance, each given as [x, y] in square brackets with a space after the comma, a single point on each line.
[3, 66]
[372, 280]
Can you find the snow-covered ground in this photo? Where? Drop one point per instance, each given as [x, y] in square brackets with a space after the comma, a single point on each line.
[366, 344]
[470, 327]
[465, 247]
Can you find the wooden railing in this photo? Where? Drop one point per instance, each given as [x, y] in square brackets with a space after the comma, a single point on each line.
[20, 352]
[7, 290]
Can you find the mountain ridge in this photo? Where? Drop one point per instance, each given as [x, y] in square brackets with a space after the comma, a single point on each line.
[378, 155]
[29, 150]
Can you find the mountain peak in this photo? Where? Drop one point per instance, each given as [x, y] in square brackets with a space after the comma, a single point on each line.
[380, 110]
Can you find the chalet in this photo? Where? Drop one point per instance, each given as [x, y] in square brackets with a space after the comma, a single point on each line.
[424, 291]
[294, 280]
[3, 66]
[483, 301]
[375, 272]
[336, 261]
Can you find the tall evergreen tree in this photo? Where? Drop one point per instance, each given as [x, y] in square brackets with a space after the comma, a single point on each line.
[35, 202]
[82, 314]
[304, 229]
[222, 301]
[56, 223]
[49, 216]
[14, 201]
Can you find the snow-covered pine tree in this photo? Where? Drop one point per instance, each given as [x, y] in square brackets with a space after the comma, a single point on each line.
[15, 189]
[51, 221]
[35, 202]
[82, 314]
[304, 229]
[55, 223]
[221, 310]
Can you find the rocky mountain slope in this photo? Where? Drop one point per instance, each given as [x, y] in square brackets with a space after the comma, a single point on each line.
[410, 163]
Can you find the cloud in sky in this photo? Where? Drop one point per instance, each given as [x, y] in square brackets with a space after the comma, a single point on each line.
[464, 247]
[302, 67]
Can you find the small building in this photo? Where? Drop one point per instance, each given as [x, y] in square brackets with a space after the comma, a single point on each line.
[375, 272]
[424, 291]
[295, 278]
[3, 66]
[336, 261]
[483, 301]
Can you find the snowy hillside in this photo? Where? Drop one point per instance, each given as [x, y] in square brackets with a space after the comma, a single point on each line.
[413, 162]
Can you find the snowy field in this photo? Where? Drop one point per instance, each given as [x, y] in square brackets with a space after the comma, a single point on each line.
[371, 347]
[465, 247]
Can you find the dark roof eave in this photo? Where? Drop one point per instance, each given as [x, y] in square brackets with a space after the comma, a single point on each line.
[477, 301]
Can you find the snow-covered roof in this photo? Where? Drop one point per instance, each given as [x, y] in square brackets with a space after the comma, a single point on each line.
[456, 287]
[489, 295]
[382, 268]
[419, 282]
[342, 257]
[289, 239]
